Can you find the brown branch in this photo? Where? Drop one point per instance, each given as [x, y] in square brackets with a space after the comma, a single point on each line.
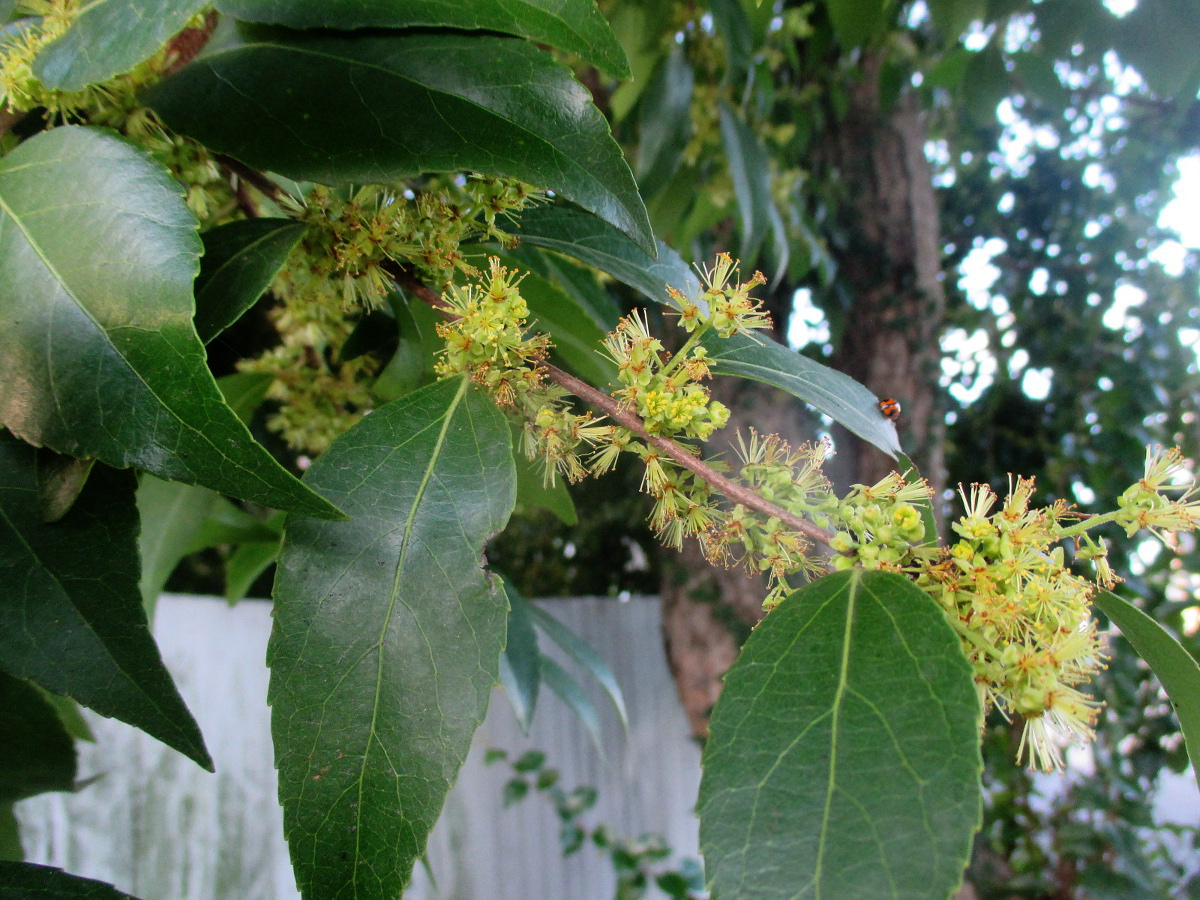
[252, 177]
[731, 489]
[604, 403]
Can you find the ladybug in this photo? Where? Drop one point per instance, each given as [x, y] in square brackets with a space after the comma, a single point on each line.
[890, 407]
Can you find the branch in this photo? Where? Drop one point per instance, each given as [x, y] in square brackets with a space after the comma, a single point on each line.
[604, 403]
[252, 177]
[731, 489]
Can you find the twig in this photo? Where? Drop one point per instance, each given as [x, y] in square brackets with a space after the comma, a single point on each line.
[252, 177]
[731, 489]
[613, 410]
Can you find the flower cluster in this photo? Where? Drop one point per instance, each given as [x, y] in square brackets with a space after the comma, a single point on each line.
[340, 268]
[20, 89]
[1005, 585]
[880, 525]
[793, 481]
[1024, 617]
[724, 306]
[487, 339]
[664, 391]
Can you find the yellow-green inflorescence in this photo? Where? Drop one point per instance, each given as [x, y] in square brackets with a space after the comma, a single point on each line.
[344, 266]
[114, 104]
[1005, 585]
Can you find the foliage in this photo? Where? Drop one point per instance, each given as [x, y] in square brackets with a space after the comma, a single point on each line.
[349, 174]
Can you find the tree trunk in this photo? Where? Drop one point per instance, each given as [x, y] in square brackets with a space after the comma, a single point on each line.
[891, 270]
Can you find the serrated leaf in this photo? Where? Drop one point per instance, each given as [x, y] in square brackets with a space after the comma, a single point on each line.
[750, 171]
[36, 753]
[239, 261]
[387, 636]
[573, 232]
[72, 585]
[19, 879]
[827, 390]
[1175, 667]
[843, 759]
[110, 37]
[520, 664]
[377, 107]
[574, 25]
[583, 654]
[98, 356]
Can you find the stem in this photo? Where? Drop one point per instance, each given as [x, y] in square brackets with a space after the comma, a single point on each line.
[252, 177]
[1089, 522]
[683, 351]
[731, 489]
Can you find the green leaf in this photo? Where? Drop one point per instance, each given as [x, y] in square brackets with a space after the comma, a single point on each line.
[36, 753]
[827, 390]
[733, 25]
[72, 586]
[572, 232]
[520, 664]
[245, 392]
[19, 879]
[10, 829]
[171, 516]
[374, 107]
[856, 21]
[1175, 667]
[750, 170]
[98, 356]
[574, 25]
[387, 636]
[567, 690]
[246, 564]
[110, 37]
[665, 121]
[843, 760]
[240, 259]
[583, 654]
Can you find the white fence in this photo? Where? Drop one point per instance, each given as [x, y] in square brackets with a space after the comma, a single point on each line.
[160, 828]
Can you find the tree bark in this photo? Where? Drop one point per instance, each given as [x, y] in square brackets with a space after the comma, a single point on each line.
[891, 270]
